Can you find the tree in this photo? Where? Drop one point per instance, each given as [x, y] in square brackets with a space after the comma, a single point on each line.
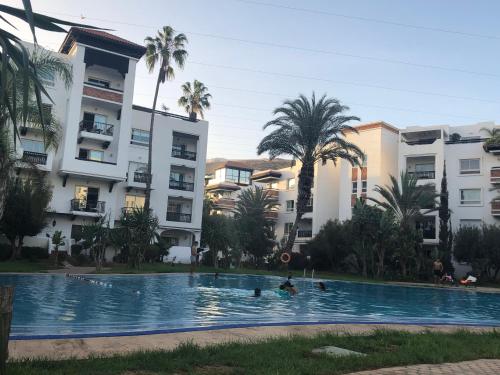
[57, 241]
[310, 131]
[254, 226]
[25, 209]
[141, 229]
[331, 245]
[408, 202]
[167, 49]
[194, 99]
[491, 248]
[468, 247]
[96, 237]
[384, 236]
[445, 240]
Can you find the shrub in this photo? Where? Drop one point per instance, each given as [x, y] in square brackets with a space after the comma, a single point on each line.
[76, 249]
[5, 251]
[34, 253]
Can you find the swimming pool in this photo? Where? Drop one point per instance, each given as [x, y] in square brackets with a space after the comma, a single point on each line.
[52, 305]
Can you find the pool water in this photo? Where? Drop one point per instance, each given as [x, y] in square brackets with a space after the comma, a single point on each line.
[58, 305]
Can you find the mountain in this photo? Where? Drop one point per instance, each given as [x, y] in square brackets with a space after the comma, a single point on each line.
[255, 164]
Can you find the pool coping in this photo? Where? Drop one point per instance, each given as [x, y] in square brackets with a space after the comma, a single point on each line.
[242, 325]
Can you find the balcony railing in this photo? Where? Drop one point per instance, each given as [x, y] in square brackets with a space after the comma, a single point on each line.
[88, 206]
[304, 233]
[224, 203]
[180, 217]
[141, 177]
[181, 185]
[34, 157]
[426, 141]
[273, 193]
[96, 127]
[495, 207]
[495, 175]
[424, 175]
[183, 154]
[271, 215]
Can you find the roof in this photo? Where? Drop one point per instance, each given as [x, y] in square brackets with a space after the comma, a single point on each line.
[248, 164]
[376, 125]
[231, 164]
[101, 39]
[163, 113]
[268, 173]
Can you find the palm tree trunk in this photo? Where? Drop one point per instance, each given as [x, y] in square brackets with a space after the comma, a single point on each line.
[149, 177]
[380, 268]
[306, 177]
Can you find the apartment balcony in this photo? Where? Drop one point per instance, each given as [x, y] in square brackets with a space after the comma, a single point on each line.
[267, 176]
[141, 177]
[271, 215]
[495, 175]
[495, 207]
[424, 175]
[34, 157]
[183, 154]
[273, 194]
[224, 203]
[178, 217]
[82, 207]
[100, 93]
[181, 185]
[96, 131]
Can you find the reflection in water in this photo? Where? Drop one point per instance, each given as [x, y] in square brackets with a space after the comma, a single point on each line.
[54, 304]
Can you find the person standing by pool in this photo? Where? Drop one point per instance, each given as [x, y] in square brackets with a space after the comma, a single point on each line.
[437, 268]
[194, 253]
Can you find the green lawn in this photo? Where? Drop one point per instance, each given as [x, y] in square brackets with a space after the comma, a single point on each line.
[26, 266]
[284, 356]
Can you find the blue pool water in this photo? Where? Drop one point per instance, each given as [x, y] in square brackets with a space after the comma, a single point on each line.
[57, 305]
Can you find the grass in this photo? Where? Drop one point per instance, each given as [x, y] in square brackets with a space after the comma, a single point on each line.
[26, 266]
[288, 356]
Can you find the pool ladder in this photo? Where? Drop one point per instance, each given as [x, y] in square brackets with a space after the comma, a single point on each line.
[312, 273]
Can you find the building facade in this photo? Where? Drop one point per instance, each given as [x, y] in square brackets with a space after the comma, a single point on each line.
[100, 166]
[472, 169]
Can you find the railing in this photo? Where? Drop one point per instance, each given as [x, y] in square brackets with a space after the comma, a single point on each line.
[495, 207]
[141, 177]
[180, 217]
[273, 193]
[181, 185]
[427, 141]
[87, 206]
[423, 175]
[130, 209]
[183, 154]
[96, 127]
[102, 87]
[304, 233]
[271, 215]
[495, 175]
[224, 203]
[34, 157]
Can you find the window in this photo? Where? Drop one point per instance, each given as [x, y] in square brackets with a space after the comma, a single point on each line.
[427, 167]
[469, 166]
[290, 205]
[290, 184]
[232, 175]
[136, 201]
[355, 187]
[94, 155]
[47, 77]
[273, 185]
[176, 176]
[288, 228]
[428, 227]
[364, 186]
[31, 145]
[244, 177]
[99, 82]
[76, 232]
[172, 241]
[475, 223]
[470, 196]
[174, 207]
[140, 137]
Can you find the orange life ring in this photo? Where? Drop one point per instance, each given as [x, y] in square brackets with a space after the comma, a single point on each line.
[285, 257]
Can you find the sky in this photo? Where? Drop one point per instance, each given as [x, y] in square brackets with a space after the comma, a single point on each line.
[404, 62]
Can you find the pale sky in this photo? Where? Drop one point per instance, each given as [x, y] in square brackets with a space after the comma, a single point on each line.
[404, 62]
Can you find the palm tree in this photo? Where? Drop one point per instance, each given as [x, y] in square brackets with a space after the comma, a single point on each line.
[408, 202]
[166, 48]
[194, 99]
[254, 224]
[310, 131]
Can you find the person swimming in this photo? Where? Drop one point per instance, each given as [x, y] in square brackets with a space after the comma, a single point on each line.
[288, 287]
[257, 292]
[322, 286]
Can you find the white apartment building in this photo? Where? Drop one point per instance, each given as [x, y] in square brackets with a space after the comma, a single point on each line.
[473, 174]
[99, 167]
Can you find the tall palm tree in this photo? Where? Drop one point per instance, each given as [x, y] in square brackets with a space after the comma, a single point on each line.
[195, 99]
[166, 49]
[310, 131]
[408, 202]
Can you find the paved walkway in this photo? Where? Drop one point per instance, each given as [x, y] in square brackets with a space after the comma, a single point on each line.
[480, 366]
[107, 346]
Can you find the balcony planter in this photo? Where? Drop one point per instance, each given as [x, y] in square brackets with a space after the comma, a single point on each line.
[492, 145]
